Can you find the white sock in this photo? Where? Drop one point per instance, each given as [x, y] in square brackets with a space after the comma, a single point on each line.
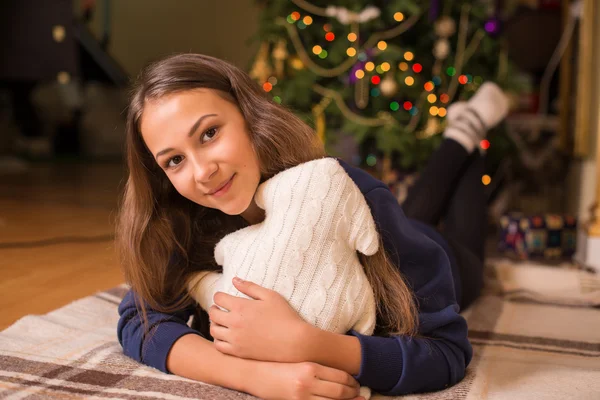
[469, 122]
[463, 127]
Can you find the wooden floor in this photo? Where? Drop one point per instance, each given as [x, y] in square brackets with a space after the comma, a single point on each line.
[56, 236]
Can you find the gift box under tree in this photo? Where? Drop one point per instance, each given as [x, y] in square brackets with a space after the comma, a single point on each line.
[547, 236]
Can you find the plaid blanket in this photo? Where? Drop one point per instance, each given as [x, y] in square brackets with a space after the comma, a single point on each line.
[536, 335]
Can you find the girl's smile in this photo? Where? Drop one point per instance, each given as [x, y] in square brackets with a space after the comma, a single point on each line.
[221, 190]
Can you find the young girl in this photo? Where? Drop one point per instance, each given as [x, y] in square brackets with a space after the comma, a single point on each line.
[201, 137]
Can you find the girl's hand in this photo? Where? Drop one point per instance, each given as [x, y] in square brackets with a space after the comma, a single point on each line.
[266, 328]
[301, 381]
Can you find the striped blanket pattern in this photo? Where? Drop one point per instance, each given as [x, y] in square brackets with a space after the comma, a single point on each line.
[535, 332]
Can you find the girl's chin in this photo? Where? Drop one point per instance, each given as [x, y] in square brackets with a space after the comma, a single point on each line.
[236, 209]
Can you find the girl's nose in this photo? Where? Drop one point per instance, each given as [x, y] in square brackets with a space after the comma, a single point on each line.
[204, 170]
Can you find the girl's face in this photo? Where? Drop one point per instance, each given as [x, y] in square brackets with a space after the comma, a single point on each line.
[202, 143]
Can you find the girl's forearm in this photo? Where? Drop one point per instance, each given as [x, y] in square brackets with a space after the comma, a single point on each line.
[196, 358]
[333, 350]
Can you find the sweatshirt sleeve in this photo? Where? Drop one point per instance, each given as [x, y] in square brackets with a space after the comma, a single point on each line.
[153, 347]
[438, 356]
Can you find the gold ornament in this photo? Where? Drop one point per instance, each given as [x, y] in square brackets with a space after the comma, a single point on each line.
[261, 70]
[389, 86]
[279, 54]
[318, 112]
[441, 49]
[432, 127]
[319, 116]
[58, 33]
[445, 27]
[296, 63]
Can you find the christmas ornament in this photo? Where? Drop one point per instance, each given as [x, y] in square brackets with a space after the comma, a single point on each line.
[389, 86]
[441, 49]
[492, 26]
[261, 69]
[347, 17]
[445, 27]
[432, 127]
[296, 63]
[279, 54]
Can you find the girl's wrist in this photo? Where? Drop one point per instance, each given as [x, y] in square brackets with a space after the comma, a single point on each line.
[333, 350]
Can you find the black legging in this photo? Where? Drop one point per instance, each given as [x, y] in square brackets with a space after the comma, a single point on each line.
[449, 191]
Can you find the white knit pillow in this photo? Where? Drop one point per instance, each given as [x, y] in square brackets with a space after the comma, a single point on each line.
[305, 249]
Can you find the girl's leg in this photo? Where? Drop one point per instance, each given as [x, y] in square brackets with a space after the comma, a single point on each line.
[465, 227]
[450, 183]
[428, 199]
[466, 215]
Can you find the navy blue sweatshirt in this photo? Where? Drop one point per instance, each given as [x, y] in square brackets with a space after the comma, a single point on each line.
[434, 359]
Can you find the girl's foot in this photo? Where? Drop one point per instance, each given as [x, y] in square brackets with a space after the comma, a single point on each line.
[469, 121]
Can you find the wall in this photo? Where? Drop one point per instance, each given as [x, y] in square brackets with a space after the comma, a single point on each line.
[582, 185]
[144, 30]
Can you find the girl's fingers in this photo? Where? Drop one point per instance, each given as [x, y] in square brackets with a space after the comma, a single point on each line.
[216, 315]
[219, 332]
[223, 347]
[337, 376]
[329, 398]
[333, 390]
[251, 289]
[227, 301]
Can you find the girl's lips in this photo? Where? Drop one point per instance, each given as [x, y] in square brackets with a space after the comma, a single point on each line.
[224, 189]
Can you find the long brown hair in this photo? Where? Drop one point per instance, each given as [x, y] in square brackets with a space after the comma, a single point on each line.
[162, 237]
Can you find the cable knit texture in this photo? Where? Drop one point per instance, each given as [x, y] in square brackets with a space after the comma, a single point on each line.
[305, 249]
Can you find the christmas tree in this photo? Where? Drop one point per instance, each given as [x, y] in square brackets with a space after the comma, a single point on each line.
[381, 70]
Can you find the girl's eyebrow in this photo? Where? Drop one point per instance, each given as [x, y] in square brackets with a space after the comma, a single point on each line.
[190, 133]
[198, 122]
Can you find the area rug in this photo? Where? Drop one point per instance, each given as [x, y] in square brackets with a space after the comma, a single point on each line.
[535, 333]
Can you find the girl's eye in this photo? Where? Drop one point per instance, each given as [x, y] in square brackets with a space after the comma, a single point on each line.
[209, 134]
[173, 162]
